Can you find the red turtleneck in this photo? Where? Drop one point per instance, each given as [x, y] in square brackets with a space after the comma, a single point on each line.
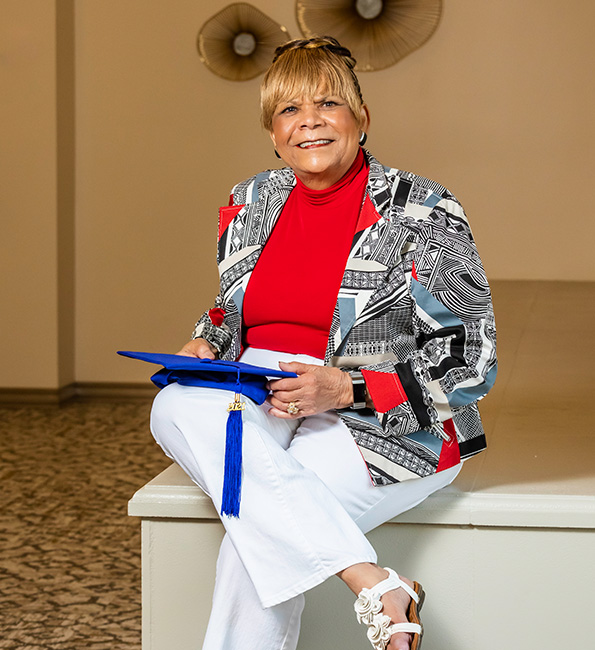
[291, 295]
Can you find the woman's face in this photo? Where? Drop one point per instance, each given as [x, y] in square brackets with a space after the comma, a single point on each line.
[317, 137]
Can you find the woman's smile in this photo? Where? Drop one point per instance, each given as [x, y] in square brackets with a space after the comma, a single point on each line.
[315, 143]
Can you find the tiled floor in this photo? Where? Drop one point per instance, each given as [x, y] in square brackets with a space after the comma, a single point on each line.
[70, 556]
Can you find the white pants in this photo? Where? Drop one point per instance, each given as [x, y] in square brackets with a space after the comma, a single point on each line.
[307, 501]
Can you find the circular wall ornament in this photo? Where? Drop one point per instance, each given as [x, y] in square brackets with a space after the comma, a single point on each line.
[378, 32]
[238, 42]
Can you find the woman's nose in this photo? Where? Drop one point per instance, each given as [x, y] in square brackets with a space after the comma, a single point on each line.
[311, 117]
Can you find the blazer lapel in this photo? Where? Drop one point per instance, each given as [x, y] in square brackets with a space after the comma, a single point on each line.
[363, 269]
[249, 229]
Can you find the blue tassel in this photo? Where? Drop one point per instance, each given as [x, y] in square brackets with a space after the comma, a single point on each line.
[232, 477]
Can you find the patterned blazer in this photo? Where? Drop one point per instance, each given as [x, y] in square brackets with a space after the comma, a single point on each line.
[414, 313]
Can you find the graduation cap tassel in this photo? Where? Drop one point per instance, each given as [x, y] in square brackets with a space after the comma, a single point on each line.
[232, 477]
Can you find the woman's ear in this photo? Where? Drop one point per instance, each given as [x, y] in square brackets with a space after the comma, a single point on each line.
[364, 118]
[273, 138]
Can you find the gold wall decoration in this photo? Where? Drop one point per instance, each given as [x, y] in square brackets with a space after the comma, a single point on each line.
[238, 42]
[378, 32]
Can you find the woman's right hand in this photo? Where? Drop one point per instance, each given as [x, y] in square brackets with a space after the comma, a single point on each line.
[200, 348]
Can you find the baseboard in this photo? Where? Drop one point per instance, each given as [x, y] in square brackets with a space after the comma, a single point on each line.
[100, 391]
[36, 395]
[115, 391]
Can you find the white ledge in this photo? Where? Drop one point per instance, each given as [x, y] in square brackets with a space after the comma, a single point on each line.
[171, 494]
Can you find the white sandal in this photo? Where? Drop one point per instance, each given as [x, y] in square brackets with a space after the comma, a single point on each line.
[368, 608]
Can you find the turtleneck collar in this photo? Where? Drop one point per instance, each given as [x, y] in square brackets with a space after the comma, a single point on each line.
[321, 197]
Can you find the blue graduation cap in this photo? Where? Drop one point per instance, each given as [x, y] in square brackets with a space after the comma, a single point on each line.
[242, 379]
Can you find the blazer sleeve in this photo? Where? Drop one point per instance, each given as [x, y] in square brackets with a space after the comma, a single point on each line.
[452, 362]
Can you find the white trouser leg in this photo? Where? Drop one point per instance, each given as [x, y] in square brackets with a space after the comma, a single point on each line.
[238, 621]
[323, 438]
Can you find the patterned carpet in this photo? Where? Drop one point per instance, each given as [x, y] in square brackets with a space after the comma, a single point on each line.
[69, 554]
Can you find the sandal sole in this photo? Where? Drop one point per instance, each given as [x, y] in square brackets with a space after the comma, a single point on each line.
[413, 615]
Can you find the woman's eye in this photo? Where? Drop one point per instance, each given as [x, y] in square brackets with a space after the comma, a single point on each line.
[287, 109]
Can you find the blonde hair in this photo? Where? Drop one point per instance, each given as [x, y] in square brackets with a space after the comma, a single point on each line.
[305, 68]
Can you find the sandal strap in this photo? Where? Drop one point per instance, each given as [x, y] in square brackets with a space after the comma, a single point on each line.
[412, 628]
[393, 582]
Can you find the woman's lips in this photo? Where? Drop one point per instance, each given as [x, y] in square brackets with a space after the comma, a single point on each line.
[310, 144]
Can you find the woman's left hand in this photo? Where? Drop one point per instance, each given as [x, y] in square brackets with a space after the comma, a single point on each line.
[316, 389]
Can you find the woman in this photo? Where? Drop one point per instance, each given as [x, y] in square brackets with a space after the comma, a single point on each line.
[365, 282]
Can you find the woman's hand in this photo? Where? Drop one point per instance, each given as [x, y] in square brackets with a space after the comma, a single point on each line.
[316, 389]
[200, 348]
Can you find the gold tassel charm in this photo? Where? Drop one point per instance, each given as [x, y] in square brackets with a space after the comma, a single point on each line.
[237, 404]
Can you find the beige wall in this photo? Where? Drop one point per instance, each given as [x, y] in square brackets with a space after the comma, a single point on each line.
[28, 217]
[497, 106]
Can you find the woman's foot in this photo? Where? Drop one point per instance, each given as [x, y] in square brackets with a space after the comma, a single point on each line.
[395, 602]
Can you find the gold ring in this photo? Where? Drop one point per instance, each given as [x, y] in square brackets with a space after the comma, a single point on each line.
[292, 409]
